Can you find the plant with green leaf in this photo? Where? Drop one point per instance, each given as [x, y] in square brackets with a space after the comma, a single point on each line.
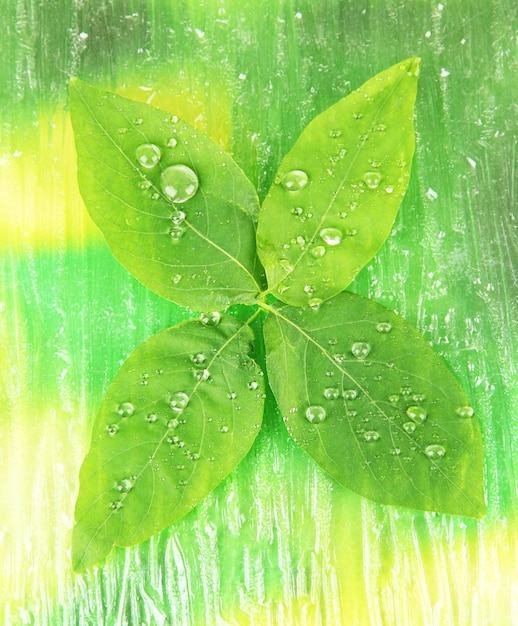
[358, 388]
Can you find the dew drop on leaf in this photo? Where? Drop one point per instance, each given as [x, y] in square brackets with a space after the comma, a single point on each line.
[176, 233]
[318, 252]
[350, 394]
[210, 319]
[125, 409]
[371, 436]
[435, 451]
[172, 143]
[360, 349]
[151, 418]
[331, 236]
[202, 375]
[178, 217]
[465, 411]
[223, 429]
[294, 180]
[417, 414]
[315, 414]
[125, 485]
[384, 327]
[174, 423]
[179, 183]
[148, 155]
[178, 401]
[198, 358]
[372, 179]
[394, 398]
[115, 506]
[315, 303]
[253, 385]
[409, 427]
[112, 429]
[331, 393]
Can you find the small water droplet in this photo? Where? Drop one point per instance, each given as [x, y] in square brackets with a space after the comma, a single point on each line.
[144, 184]
[115, 506]
[315, 414]
[371, 436]
[384, 327]
[179, 183]
[112, 429]
[294, 180]
[335, 133]
[210, 319]
[360, 349]
[253, 385]
[372, 179]
[394, 398]
[151, 418]
[318, 252]
[174, 119]
[176, 233]
[124, 485]
[350, 394]
[331, 236]
[315, 303]
[125, 409]
[202, 375]
[223, 429]
[177, 278]
[174, 423]
[409, 427]
[435, 451]
[231, 395]
[148, 155]
[417, 414]
[178, 401]
[177, 217]
[138, 121]
[172, 142]
[195, 456]
[298, 210]
[198, 358]
[308, 289]
[465, 411]
[331, 393]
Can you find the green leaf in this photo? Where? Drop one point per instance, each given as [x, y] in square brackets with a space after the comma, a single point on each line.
[367, 398]
[336, 194]
[179, 416]
[187, 233]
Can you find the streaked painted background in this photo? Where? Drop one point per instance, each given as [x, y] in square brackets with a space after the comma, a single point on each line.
[278, 543]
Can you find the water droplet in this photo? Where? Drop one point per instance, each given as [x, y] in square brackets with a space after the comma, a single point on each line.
[176, 233]
[372, 179]
[465, 411]
[174, 119]
[178, 401]
[331, 393]
[360, 349]
[318, 252]
[315, 303]
[331, 236]
[253, 385]
[294, 180]
[112, 429]
[115, 506]
[144, 184]
[389, 189]
[335, 133]
[298, 210]
[210, 319]
[416, 413]
[126, 409]
[384, 327]
[202, 375]
[308, 289]
[223, 429]
[198, 358]
[174, 423]
[409, 427]
[371, 436]
[124, 485]
[231, 395]
[148, 155]
[179, 183]
[195, 456]
[177, 278]
[138, 121]
[350, 394]
[435, 451]
[178, 217]
[315, 414]
[172, 143]
[151, 418]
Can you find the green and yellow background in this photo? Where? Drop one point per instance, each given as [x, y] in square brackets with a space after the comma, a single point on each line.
[278, 542]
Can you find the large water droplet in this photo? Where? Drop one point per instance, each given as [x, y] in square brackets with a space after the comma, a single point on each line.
[417, 414]
[331, 393]
[178, 401]
[360, 349]
[210, 319]
[331, 236]
[179, 183]
[125, 409]
[148, 155]
[372, 179]
[435, 451]
[371, 436]
[465, 411]
[294, 180]
[315, 414]
[384, 327]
